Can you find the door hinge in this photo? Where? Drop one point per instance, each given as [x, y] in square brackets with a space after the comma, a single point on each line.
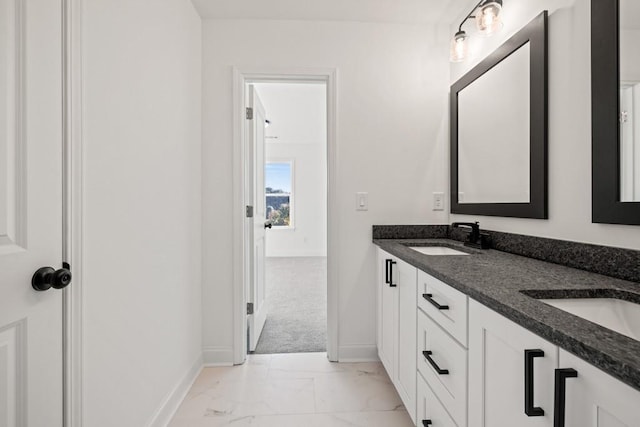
[249, 211]
[249, 308]
[624, 116]
[249, 113]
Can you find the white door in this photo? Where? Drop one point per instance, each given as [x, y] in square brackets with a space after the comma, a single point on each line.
[256, 294]
[407, 335]
[627, 146]
[497, 383]
[387, 312]
[30, 211]
[596, 399]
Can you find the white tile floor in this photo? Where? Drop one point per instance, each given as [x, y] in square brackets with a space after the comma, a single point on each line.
[293, 390]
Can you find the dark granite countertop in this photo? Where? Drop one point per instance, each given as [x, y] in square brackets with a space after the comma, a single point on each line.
[497, 280]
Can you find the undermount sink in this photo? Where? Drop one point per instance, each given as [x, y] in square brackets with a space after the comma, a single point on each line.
[437, 250]
[616, 314]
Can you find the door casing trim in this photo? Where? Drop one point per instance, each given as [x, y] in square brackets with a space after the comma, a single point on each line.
[72, 205]
[242, 76]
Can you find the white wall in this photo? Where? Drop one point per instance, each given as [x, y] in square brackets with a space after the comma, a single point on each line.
[569, 125]
[308, 236]
[298, 133]
[629, 58]
[142, 223]
[392, 136]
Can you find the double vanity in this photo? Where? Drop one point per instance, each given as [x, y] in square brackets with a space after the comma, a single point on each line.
[485, 338]
[532, 332]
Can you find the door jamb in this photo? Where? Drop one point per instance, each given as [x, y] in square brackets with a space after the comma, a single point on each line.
[72, 204]
[242, 76]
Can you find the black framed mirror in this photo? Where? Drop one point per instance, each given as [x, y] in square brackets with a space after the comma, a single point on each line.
[499, 130]
[614, 172]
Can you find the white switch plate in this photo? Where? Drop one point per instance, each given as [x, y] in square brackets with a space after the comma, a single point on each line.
[362, 201]
[438, 201]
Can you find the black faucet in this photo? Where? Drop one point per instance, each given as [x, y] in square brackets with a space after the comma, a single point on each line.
[476, 239]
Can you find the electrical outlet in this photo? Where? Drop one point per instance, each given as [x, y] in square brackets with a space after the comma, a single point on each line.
[438, 201]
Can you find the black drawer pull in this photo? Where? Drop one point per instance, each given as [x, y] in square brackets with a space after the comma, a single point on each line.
[429, 297]
[391, 264]
[559, 401]
[426, 423]
[529, 409]
[386, 271]
[427, 355]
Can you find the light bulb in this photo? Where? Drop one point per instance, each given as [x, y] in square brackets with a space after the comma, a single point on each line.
[459, 47]
[488, 17]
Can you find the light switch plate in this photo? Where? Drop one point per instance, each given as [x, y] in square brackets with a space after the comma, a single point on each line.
[438, 201]
[362, 201]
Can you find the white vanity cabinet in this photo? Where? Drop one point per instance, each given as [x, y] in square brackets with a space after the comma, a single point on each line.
[457, 363]
[564, 386]
[498, 351]
[596, 399]
[397, 325]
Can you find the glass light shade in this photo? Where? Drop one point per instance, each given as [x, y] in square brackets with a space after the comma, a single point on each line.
[488, 18]
[459, 47]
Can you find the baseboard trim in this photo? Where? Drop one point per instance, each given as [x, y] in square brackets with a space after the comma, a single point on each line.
[358, 353]
[172, 401]
[218, 356]
[297, 255]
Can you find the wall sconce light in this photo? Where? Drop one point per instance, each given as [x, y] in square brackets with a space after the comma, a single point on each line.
[488, 22]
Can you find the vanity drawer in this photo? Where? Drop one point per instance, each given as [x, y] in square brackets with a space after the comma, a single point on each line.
[443, 364]
[430, 408]
[447, 306]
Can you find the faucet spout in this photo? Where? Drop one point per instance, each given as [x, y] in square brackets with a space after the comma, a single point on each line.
[474, 235]
[476, 239]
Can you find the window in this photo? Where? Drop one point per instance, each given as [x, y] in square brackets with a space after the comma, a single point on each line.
[278, 192]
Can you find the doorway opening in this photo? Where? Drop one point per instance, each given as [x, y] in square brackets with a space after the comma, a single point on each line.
[289, 286]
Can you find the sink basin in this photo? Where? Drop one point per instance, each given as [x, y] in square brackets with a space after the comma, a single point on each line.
[619, 315]
[437, 250]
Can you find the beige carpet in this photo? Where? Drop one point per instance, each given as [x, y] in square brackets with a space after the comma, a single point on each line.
[297, 300]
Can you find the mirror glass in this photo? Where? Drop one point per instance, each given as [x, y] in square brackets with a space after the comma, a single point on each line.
[629, 101]
[494, 133]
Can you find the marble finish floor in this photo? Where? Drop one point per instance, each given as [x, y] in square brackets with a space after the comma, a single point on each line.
[293, 390]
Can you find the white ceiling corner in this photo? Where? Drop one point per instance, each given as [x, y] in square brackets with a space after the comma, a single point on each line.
[388, 11]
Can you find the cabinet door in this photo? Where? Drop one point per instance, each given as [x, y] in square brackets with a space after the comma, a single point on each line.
[387, 308]
[596, 399]
[497, 372]
[407, 335]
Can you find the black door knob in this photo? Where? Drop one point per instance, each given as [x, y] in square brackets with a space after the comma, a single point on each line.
[46, 278]
[268, 225]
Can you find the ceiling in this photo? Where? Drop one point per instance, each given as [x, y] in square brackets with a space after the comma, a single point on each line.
[392, 11]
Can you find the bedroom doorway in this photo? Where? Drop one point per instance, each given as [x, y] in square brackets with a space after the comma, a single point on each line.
[294, 177]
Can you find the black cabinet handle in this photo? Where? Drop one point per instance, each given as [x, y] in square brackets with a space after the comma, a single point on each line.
[429, 297]
[426, 423]
[529, 409]
[386, 271]
[391, 264]
[559, 401]
[427, 355]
